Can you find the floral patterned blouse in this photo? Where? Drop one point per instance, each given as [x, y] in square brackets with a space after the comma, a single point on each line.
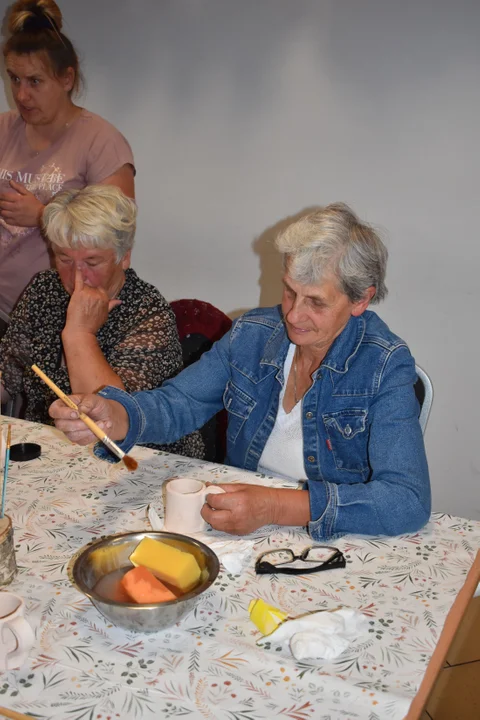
[139, 341]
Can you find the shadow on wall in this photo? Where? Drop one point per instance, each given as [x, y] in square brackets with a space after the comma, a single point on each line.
[271, 262]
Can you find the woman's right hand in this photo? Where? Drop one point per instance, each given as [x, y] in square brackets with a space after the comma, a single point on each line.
[109, 415]
[20, 207]
[87, 310]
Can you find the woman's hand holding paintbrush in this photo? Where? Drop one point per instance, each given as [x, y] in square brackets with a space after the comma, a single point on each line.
[110, 414]
[95, 424]
[84, 430]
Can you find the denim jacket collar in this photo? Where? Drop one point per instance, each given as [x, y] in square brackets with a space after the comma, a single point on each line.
[342, 350]
[346, 345]
[277, 346]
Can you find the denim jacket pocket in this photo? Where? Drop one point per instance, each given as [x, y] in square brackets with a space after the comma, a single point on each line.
[346, 430]
[239, 405]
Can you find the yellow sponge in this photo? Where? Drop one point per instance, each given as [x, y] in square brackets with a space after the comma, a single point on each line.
[167, 563]
[266, 617]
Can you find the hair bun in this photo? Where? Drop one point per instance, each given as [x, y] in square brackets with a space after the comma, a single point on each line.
[34, 15]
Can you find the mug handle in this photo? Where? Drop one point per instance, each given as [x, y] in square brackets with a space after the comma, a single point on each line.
[212, 490]
[25, 638]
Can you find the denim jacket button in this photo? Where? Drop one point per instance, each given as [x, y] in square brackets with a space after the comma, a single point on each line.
[309, 415]
[348, 430]
[311, 458]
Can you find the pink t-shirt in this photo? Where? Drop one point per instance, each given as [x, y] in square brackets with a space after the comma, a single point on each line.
[89, 151]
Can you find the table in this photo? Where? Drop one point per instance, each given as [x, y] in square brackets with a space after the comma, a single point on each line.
[208, 666]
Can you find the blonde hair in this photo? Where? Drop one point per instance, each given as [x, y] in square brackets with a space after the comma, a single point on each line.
[98, 216]
[24, 11]
[333, 239]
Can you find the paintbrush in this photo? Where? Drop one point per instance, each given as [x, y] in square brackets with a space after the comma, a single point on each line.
[130, 463]
[5, 470]
[2, 436]
[14, 715]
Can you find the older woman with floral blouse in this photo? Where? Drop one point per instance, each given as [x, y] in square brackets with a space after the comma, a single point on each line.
[92, 321]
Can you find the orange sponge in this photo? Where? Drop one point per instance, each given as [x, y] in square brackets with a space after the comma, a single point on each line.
[119, 594]
[143, 587]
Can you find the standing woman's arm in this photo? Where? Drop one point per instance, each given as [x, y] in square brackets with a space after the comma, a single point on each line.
[124, 179]
[108, 156]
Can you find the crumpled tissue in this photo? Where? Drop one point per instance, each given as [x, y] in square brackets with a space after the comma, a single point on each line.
[234, 555]
[320, 634]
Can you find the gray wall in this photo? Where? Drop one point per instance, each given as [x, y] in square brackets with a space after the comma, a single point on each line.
[242, 113]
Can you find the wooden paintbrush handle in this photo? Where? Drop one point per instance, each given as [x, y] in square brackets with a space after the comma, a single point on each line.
[54, 387]
[98, 432]
[101, 435]
[91, 424]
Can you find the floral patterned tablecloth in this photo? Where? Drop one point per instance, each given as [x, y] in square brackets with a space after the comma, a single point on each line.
[209, 666]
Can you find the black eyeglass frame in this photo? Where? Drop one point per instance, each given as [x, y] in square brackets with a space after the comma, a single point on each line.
[336, 560]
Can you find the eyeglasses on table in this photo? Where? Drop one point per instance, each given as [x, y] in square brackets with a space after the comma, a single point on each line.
[314, 558]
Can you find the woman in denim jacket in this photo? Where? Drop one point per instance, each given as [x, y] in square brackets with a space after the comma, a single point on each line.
[317, 389]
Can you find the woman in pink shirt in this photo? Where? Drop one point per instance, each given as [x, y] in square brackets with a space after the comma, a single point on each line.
[49, 144]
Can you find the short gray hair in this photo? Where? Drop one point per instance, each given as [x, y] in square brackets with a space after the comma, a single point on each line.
[98, 216]
[333, 239]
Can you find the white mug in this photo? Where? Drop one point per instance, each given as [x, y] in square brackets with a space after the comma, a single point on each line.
[184, 499]
[16, 635]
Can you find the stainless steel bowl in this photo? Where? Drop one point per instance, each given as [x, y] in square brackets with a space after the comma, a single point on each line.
[112, 553]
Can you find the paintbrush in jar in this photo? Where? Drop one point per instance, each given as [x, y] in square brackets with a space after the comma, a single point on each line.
[2, 436]
[130, 463]
[5, 470]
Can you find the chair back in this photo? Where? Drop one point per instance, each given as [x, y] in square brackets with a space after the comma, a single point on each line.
[424, 392]
[201, 324]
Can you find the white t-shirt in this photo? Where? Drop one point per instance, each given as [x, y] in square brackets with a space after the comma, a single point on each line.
[283, 453]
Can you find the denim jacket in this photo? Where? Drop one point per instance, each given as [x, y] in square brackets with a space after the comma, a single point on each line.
[365, 464]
